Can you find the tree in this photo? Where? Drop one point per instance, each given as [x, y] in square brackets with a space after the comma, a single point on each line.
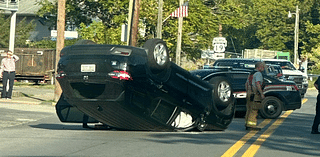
[199, 27]
[5, 27]
[246, 24]
[235, 21]
[23, 30]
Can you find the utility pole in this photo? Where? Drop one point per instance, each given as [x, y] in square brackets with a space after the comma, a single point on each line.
[135, 23]
[296, 37]
[131, 4]
[60, 42]
[159, 26]
[178, 51]
[12, 30]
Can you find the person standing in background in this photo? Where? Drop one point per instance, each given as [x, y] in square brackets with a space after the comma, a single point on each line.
[8, 68]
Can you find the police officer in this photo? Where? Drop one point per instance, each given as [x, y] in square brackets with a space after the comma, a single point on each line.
[316, 121]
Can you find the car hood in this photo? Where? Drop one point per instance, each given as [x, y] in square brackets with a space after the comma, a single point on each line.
[293, 72]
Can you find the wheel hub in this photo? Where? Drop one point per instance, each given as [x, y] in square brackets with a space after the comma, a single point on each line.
[224, 91]
[271, 108]
[160, 54]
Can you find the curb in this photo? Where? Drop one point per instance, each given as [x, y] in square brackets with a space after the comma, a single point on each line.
[19, 101]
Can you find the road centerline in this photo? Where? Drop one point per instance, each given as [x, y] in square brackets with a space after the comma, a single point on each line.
[234, 149]
[251, 151]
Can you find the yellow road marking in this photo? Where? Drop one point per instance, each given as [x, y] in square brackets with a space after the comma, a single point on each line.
[256, 145]
[304, 100]
[234, 149]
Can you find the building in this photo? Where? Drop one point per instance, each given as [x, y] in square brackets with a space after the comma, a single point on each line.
[27, 9]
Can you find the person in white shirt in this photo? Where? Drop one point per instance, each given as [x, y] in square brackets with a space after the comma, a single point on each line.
[8, 67]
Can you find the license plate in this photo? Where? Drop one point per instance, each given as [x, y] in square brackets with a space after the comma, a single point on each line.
[88, 67]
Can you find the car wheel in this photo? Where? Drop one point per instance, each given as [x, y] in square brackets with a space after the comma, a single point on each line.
[158, 55]
[183, 122]
[222, 92]
[271, 108]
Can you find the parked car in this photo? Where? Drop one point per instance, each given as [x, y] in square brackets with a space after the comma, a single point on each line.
[135, 88]
[291, 73]
[231, 75]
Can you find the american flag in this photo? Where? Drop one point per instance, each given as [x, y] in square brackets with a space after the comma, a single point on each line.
[182, 11]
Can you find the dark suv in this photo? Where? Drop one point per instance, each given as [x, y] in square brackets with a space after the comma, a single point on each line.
[232, 75]
[132, 88]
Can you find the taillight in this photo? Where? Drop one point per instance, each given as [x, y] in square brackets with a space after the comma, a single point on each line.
[295, 87]
[61, 74]
[121, 75]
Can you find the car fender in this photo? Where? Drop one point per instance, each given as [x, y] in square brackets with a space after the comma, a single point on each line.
[278, 93]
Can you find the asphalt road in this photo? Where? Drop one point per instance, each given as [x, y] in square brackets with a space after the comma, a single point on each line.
[34, 130]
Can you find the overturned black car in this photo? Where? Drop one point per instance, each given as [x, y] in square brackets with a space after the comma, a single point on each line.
[136, 89]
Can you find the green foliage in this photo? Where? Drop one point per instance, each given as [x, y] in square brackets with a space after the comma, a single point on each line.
[112, 13]
[95, 32]
[199, 27]
[23, 30]
[5, 28]
[47, 43]
[246, 24]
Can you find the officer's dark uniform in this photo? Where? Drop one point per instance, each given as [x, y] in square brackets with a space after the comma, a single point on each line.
[316, 121]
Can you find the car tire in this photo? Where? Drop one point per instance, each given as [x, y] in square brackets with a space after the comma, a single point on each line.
[158, 55]
[222, 92]
[271, 107]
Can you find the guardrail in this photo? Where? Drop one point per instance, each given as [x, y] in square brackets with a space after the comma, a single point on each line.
[313, 76]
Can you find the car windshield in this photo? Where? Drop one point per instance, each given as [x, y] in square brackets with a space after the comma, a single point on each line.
[283, 65]
[249, 65]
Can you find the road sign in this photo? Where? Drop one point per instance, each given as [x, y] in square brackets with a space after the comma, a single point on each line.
[219, 44]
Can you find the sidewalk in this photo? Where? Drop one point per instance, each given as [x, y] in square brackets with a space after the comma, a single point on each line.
[31, 95]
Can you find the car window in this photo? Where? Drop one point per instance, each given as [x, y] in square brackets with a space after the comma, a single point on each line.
[224, 64]
[283, 65]
[240, 65]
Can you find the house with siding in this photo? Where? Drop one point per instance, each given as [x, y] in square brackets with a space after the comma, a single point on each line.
[27, 9]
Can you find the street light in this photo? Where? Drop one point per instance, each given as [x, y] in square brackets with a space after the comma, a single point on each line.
[296, 34]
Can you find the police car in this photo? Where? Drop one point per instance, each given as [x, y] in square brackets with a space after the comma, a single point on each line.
[231, 75]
